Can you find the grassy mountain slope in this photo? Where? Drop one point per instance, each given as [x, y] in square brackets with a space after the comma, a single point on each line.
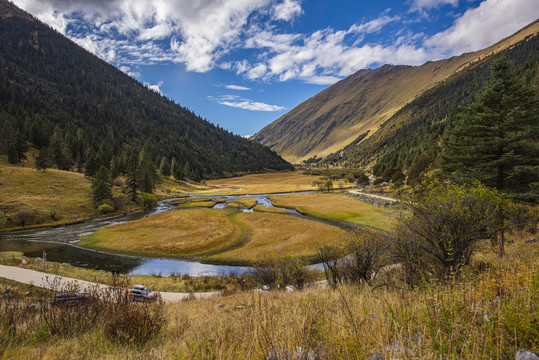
[48, 80]
[353, 109]
[410, 138]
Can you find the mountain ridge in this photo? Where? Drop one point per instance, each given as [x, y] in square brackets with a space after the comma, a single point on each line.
[360, 103]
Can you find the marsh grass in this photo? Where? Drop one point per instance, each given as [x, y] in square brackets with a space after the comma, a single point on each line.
[338, 207]
[216, 235]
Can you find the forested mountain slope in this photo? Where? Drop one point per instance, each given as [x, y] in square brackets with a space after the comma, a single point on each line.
[353, 109]
[411, 139]
[47, 82]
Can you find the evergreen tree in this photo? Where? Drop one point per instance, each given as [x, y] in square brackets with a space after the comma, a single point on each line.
[59, 150]
[41, 161]
[93, 164]
[495, 139]
[133, 180]
[164, 167]
[176, 170]
[148, 173]
[20, 146]
[101, 185]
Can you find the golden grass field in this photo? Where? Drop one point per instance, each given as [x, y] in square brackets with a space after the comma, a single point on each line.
[280, 234]
[216, 235]
[52, 196]
[268, 209]
[338, 207]
[182, 233]
[264, 184]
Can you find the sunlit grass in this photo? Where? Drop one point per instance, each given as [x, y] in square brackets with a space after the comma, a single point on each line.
[182, 233]
[338, 207]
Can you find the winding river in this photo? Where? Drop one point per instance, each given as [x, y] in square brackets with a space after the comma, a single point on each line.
[59, 243]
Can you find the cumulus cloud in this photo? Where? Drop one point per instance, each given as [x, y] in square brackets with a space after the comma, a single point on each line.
[237, 87]
[480, 27]
[246, 104]
[287, 10]
[207, 34]
[156, 88]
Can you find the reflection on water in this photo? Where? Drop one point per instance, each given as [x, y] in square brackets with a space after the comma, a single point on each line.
[59, 242]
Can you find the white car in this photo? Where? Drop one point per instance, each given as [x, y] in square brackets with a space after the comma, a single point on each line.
[142, 293]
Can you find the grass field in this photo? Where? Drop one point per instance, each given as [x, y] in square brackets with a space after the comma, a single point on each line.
[338, 207]
[182, 233]
[268, 209]
[49, 197]
[281, 234]
[216, 235]
[247, 203]
[264, 183]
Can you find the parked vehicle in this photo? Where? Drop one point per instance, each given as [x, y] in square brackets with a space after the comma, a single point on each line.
[70, 298]
[142, 293]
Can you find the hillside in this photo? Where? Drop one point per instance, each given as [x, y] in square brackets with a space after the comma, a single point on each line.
[48, 82]
[354, 109]
[411, 138]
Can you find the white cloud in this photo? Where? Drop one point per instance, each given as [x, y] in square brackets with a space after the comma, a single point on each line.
[246, 104]
[422, 5]
[287, 10]
[237, 87]
[483, 26]
[156, 88]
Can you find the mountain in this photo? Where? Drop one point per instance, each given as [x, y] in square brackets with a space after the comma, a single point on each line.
[52, 90]
[411, 138]
[354, 109]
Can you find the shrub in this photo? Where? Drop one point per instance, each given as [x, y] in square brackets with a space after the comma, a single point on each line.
[23, 217]
[148, 200]
[105, 209]
[446, 223]
[120, 201]
[274, 271]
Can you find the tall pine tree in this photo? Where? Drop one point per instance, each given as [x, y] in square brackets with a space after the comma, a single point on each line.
[495, 139]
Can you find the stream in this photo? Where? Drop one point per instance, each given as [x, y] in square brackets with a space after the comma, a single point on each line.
[59, 243]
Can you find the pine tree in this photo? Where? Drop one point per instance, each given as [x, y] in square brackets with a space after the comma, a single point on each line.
[59, 151]
[41, 161]
[101, 186]
[133, 180]
[495, 139]
[164, 167]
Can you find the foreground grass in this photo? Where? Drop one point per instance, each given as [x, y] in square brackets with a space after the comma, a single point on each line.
[338, 207]
[224, 236]
[489, 313]
[263, 184]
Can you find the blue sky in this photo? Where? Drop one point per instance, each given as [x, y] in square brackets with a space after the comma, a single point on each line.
[243, 63]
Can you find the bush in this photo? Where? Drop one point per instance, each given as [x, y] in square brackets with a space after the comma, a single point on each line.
[119, 201]
[357, 260]
[148, 200]
[23, 217]
[447, 222]
[105, 209]
[274, 271]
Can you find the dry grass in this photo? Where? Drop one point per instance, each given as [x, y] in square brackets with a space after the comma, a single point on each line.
[267, 209]
[216, 235]
[262, 184]
[284, 235]
[182, 233]
[338, 207]
[248, 203]
[465, 320]
[52, 197]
